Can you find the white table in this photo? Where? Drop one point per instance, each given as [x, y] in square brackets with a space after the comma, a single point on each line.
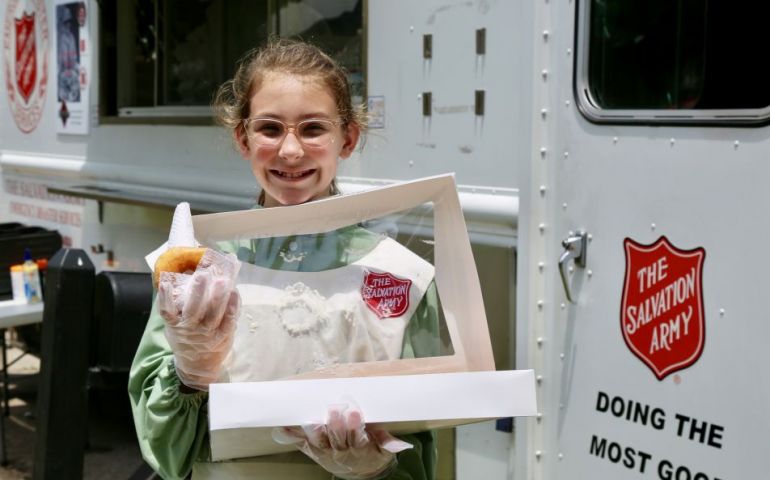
[16, 314]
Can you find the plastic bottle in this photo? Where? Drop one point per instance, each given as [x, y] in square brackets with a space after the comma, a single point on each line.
[17, 283]
[31, 279]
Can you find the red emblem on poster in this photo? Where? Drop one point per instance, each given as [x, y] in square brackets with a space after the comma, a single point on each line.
[385, 294]
[661, 313]
[26, 55]
[25, 60]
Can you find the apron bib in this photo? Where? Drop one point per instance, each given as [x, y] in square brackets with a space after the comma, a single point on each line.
[293, 322]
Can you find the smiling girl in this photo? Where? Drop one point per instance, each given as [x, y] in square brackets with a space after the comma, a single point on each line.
[290, 114]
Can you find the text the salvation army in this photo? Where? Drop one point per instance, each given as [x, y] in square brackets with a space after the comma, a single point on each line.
[676, 292]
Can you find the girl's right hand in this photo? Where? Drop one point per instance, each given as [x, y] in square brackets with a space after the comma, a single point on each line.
[344, 445]
[200, 311]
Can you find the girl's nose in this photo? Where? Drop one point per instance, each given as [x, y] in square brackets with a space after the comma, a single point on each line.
[291, 148]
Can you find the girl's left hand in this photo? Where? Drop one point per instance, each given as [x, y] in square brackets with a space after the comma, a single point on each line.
[344, 445]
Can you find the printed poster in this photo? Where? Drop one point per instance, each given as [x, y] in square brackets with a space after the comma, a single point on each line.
[73, 67]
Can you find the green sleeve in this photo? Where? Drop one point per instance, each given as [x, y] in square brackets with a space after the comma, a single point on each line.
[171, 426]
[421, 340]
[422, 337]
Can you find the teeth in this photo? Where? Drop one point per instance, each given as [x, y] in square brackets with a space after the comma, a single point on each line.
[292, 175]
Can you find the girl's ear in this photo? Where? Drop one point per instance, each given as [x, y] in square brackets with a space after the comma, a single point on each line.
[241, 141]
[350, 139]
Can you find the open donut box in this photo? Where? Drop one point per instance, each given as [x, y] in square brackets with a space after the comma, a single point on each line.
[402, 396]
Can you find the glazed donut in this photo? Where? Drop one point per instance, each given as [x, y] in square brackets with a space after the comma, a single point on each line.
[177, 259]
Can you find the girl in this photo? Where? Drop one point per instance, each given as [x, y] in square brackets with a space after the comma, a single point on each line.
[290, 113]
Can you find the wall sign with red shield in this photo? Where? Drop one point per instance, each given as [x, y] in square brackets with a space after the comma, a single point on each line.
[25, 59]
[661, 314]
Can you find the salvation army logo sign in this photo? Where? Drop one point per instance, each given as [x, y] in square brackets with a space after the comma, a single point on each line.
[385, 294]
[25, 56]
[661, 313]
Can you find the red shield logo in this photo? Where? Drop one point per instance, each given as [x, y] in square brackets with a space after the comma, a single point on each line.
[661, 312]
[385, 294]
[26, 55]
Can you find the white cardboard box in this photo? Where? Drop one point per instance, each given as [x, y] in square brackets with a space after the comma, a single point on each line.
[242, 415]
[406, 394]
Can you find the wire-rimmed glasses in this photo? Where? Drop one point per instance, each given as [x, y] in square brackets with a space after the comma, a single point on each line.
[270, 132]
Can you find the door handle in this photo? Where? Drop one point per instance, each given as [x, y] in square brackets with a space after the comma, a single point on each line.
[575, 247]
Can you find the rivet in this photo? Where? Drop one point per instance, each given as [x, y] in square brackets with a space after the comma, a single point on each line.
[721, 312]
[539, 416]
[540, 304]
[411, 28]
[566, 154]
[419, 96]
[538, 454]
[563, 306]
[590, 237]
[571, 269]
[544, 73]
[543, 112]
[564, 206]
[652, 226]
[541, 266]
[541, 227]
[567, 103]
[569, 51]
[539, 341]
[561, 356]
[672, 141]
[561, 406]
[545, 35]
[560, 456]
[736, 144]
[539, 379]
[590, 272]
[614, 139]
[543, 151]
[542, 190]
[411, 163]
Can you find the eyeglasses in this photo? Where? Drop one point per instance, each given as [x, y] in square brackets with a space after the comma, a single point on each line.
[270, 133]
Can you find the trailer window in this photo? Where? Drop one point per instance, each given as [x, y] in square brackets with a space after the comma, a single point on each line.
[165, 58]
[669, 61]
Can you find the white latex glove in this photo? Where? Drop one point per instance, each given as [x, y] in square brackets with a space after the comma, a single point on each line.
[345, 446]
[200, 312]
[200, 309]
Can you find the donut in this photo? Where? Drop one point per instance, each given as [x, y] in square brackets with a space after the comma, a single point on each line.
[178, 260]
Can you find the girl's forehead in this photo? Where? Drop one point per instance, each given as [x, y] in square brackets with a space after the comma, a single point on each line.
[273, 84]
[289, 95]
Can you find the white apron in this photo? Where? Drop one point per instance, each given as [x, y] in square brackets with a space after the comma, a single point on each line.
[294, 322]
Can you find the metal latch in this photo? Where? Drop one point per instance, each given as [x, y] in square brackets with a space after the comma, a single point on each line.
[575, 247]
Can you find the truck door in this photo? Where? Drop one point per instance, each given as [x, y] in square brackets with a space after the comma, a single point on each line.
[648, 180]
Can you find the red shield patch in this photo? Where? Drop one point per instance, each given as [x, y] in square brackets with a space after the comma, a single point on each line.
[385, 294]
[26, 55]
[661, 313]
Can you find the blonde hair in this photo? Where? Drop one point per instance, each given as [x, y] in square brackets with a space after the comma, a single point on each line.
[232, 99]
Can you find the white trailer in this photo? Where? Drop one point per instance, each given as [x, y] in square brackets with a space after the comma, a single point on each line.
[611, 158]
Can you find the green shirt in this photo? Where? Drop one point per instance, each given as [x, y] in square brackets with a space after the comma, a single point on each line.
[172, 426]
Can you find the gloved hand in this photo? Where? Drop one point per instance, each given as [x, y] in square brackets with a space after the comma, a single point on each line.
[200, 312]
[344, 446]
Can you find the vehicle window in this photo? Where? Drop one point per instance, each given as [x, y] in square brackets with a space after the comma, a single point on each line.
[696, 59]
[165, 58]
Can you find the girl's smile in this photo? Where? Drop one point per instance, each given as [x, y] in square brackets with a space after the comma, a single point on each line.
[292, 176]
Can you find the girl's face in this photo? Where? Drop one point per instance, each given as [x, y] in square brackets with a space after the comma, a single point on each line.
[292, 172]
